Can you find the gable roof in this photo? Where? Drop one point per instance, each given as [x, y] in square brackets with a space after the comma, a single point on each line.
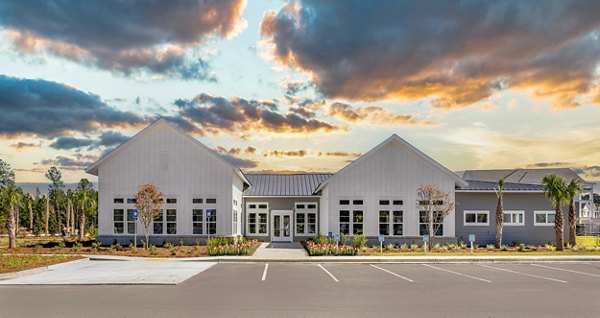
[93, 168]
[395, 138]
[521, 176]
[268, 185]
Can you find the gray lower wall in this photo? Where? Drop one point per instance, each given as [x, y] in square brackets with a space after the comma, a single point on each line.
[528, 234]
[125, 240]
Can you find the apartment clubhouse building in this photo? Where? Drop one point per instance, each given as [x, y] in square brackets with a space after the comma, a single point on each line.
[376, 194]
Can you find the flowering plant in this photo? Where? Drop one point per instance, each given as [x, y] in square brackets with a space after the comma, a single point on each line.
[315, 249]
[232, 249]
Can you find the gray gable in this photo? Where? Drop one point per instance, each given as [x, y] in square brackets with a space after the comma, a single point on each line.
[285, 184]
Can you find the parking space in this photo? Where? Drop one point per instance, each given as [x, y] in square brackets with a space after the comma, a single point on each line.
[334, 289]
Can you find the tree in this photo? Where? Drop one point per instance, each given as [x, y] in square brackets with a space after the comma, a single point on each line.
[85, 201]
[572, 190]
[55, 192]
[555, 190]
[149, 205]
[13, 198]
[48, 207]
[7, 175]
[499, 212]
[30, 208]
[435, 204]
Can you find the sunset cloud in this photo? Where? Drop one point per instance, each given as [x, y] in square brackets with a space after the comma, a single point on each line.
[217, 115]
[286, 153]
[158, 39]
[45, 108]
[23, 145]
[456, 53]
[373, 115]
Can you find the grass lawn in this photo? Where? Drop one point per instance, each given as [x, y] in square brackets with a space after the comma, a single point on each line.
[15, 263]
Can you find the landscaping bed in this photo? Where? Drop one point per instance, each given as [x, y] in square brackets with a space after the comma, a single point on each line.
[16, 263]
[225, 246]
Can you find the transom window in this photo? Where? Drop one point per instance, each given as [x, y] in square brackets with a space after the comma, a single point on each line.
[544, 218]
[351, 216]
[514, 218]
[257, 218]
[306, 218]
[476, 218]
[118, 200]
[171, 201]
[391, 217]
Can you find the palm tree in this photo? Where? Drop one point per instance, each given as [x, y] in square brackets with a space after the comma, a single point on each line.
[555, 190]
[572, 190]
[500, 212]
[13, 199]
[86, 201]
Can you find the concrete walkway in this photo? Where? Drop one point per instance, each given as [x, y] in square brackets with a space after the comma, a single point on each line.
[280, 251]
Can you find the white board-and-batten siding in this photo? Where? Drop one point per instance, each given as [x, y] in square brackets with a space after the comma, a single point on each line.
[391, 172]
[179, 167]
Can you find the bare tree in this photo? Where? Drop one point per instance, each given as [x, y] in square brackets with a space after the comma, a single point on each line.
[149, 206]
[435, 204]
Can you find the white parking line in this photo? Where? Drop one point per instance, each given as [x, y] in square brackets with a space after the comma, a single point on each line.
[524, 274]
[390, 272]
[328, 273]
[264, 277]
[459, 274]
[566, 270]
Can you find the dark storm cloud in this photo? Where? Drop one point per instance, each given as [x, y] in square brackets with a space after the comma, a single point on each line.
[218, 115]
[122, 36]
[76, 163]
[112, 138]
[70, 143]
[455, 52]
[44, 108]
[106, 139]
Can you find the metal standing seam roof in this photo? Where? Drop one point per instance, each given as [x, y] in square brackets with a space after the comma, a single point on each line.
[476, 185]
[284, 184]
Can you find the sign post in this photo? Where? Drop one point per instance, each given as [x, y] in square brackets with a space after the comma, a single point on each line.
[208, 214]
[135, 219]
[337, 239]
[381, 238]
[425, 241]
[471, 239]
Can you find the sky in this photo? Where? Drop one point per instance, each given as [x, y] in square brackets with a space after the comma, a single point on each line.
[303, 85]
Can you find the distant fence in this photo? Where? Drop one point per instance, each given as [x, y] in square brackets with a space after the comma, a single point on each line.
[588, 230]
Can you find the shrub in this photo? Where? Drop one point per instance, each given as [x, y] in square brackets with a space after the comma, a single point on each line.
[37, 249]
[95, 247]
[61, 244]
[197, 243]
[153, 250]
[550, 247]
[504, 248]
[404, 247]
[436, 246]
[343, 239]
[489, 247]
[173, 251]
[521, 247]
[116, 247]
[532, 247]
[462, 245]
[92, 230]
[131, 246]
[76, 247]
[180, 242]
[330, 249]
[569, 246]
[320, 239]
[390, 247]
[231, 249]
[359, 241]
[168, 245]
[414, 247]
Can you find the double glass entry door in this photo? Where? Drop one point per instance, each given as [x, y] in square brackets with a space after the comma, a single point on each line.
[281, 225]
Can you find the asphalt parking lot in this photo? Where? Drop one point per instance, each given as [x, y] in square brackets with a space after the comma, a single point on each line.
[332, 290]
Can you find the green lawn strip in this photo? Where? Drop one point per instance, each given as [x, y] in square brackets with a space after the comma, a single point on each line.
[15, 263]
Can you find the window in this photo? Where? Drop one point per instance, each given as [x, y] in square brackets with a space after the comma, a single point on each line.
[544, 218]
[197, 201]
[211, 201]
[211, 222]
[514, 218]
[234, 222]
[130, 221]
[384, 222]
[476, 218]
[171, 221]
[118, 219]
[391, 220]
[171, 201]
[351, 217]
[257, 216]
[345, 222]
[306, 219]
[158, 224]
[437, 223]
[197, 221]
[131, 201]
[118, 200]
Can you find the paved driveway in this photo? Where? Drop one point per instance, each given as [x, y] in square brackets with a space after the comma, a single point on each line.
[332, 290]
[86, 272]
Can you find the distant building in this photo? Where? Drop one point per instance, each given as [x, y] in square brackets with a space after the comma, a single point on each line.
[204, 195]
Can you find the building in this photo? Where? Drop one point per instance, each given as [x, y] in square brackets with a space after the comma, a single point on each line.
[204, 195]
